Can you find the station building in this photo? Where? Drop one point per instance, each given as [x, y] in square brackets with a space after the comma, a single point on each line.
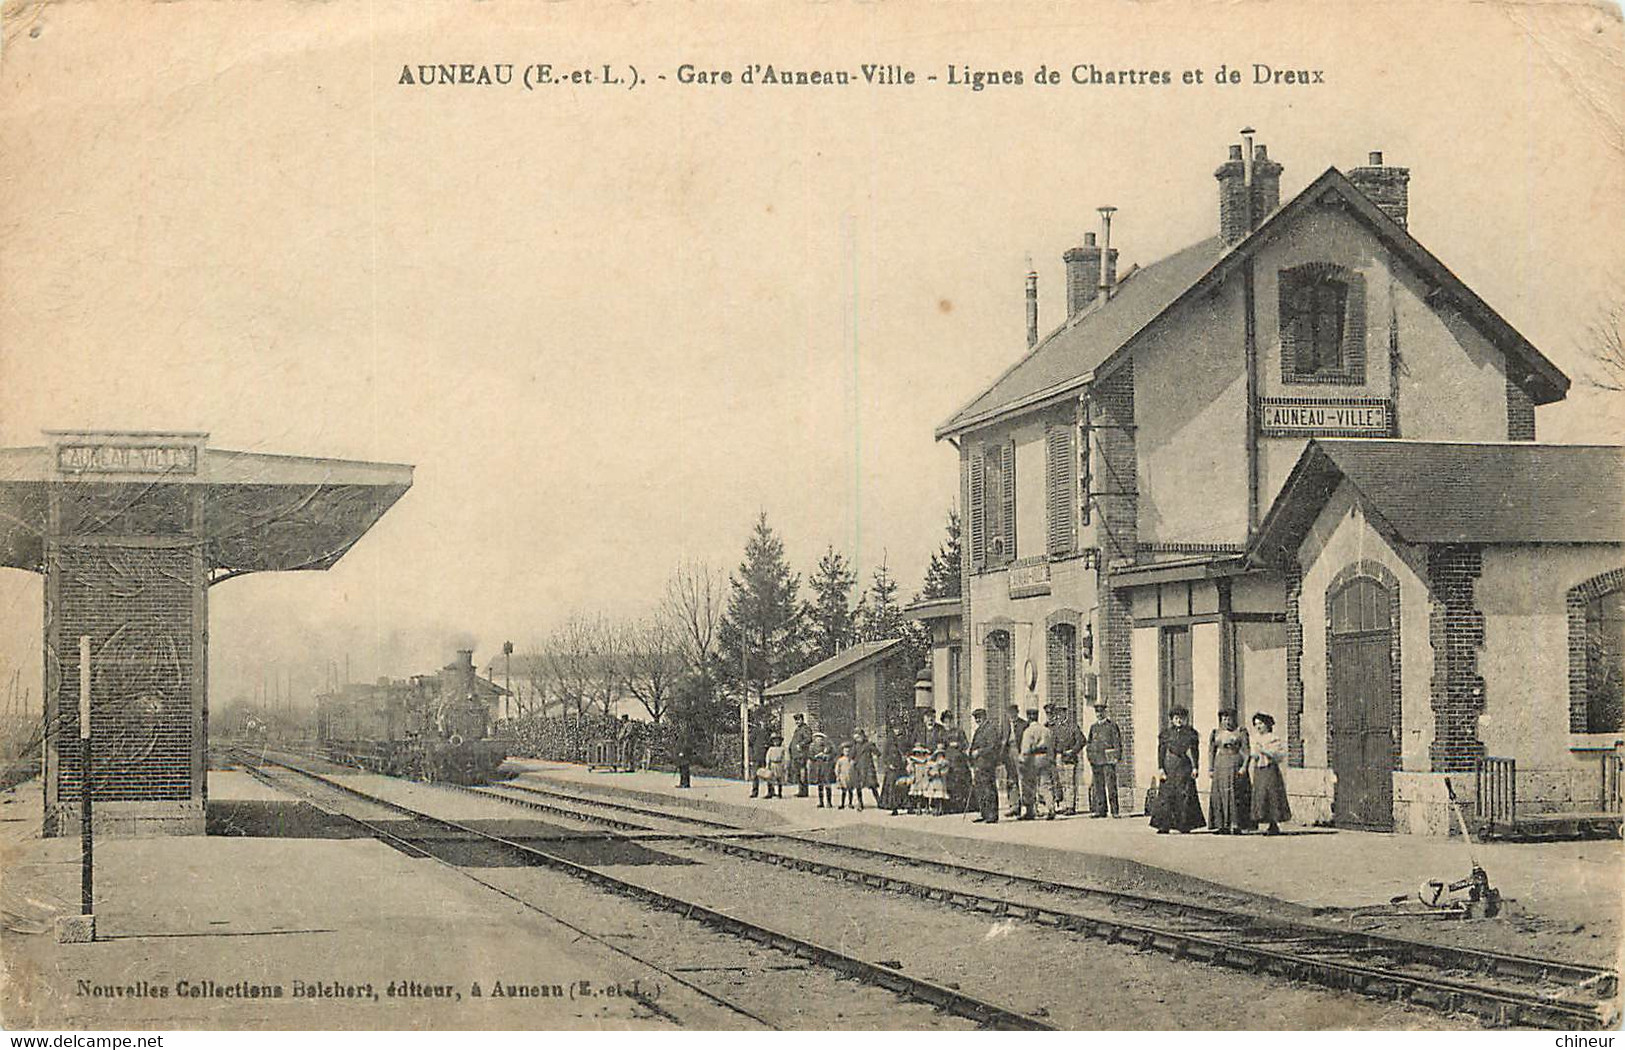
[1117, 480]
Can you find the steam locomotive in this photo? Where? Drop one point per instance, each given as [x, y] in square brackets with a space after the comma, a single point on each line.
[435, 727]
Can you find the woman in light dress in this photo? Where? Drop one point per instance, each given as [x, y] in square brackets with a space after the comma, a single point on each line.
[1269, 786]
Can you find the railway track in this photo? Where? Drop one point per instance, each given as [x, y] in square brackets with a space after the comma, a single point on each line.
[779, 971]
[1502, 988]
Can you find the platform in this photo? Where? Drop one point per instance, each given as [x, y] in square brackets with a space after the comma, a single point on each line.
[209, 921]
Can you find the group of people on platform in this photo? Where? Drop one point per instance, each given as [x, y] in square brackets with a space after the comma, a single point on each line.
[934, 768]
[1248, 789]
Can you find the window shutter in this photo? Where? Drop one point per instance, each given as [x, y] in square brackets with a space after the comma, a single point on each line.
[1058, 487]
[978, 510]
[1061, 654]
[1009, 523]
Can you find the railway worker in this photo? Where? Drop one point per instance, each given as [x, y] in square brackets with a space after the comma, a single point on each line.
[1012, 760]
[800, 751]
[987, 753]
[1068, 745]
[623, 744]
[686, 741]
[1103, 750]
[1038, 768]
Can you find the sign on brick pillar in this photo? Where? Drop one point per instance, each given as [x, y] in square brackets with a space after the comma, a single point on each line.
[1456, 632]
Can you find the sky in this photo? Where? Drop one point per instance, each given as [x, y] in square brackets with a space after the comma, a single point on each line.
[609, 326]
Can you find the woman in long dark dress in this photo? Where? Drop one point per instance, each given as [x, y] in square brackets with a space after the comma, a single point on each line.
[1269, 786]
[894, 760]
[1176, 806]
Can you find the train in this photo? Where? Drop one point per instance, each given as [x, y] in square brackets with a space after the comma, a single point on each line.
[437, 727]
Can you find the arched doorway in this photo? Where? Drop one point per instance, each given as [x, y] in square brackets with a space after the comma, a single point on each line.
[1360, 704]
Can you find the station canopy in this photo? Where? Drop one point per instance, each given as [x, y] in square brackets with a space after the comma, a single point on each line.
[258, 512]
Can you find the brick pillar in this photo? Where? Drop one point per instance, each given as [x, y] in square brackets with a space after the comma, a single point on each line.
[1456, 631]
[1294, 667]
[1116, 494]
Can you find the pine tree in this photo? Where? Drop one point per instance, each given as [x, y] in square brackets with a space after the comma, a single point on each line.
[762, 633]
[942, 579]
[880, 615]
[831, 625]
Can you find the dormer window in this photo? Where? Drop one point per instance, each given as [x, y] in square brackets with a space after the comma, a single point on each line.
[1322, 325]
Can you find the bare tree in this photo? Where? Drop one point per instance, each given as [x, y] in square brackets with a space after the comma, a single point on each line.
[1605, 340]
[694, 604]
[604, 648]
[652, 661]
[568, 660]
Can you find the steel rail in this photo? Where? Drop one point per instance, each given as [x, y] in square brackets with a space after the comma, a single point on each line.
[948, 1000]
[1449, 956]
[1502, 1006]
[412, 850]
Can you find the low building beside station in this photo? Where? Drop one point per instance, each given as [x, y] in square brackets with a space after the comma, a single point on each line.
[1116, 476]
[858, 688]
[1449, 603]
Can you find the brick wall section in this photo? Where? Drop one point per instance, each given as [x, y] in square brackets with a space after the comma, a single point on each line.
[1116, 484]
[1520, 413]
[972, 689]
[137, 607]
[1396, 710]
[1294, 668]
[1577, 599]
[124, 566]
[1456, 631]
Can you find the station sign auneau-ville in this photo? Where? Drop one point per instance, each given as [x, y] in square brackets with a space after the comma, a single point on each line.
[136, 454]
[1325, 416]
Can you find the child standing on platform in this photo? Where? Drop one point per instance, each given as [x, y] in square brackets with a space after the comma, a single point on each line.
[936, 787]
[918, 760]
[821, 770]
[845, 774]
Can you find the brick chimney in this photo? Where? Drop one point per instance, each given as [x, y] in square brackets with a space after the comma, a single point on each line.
[1235, 222]
[1388, 188]
[1082, 275]
[1032, 306]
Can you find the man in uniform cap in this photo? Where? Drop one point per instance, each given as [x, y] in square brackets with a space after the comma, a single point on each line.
[1103, 750]
[986, 755]
[800, 750]
[1069, 741]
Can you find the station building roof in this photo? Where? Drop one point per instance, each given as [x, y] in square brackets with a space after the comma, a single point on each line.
[260, 511]
[843, 663]
[1515, 492]
[1093, 342]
